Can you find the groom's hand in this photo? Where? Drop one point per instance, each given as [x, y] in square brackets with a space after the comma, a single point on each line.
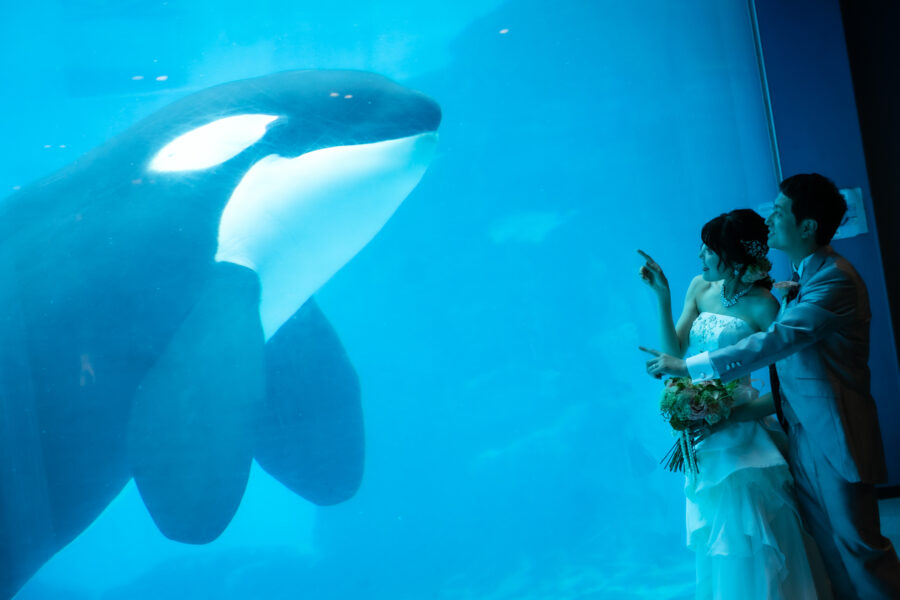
[664, 364]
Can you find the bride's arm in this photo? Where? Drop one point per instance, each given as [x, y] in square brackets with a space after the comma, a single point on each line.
[674, 338]
[758, 408]
[677, 337]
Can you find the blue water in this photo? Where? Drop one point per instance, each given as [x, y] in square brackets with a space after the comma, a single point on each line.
[512, 436]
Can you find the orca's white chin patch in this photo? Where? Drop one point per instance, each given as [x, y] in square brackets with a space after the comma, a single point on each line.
[296, 221]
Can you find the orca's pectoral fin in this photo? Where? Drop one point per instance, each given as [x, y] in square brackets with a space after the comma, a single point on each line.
[311, 432]
[190, 438]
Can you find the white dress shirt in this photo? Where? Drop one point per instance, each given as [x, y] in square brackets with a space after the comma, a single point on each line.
[700, 368]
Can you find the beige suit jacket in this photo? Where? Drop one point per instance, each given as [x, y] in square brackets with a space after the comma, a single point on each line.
[820, 346]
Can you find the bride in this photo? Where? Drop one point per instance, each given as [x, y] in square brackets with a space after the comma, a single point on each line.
[742, 521]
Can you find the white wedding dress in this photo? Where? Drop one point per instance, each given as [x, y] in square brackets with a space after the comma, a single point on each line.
[742, 521]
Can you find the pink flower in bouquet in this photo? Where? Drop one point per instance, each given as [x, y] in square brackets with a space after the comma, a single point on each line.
[699, 410]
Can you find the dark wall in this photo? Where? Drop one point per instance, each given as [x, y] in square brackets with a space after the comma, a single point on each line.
[817, 129]
[873, 47]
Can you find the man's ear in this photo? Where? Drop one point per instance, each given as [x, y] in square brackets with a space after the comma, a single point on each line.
[808, 228]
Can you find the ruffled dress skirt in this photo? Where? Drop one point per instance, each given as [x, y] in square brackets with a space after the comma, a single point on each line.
[742, 521]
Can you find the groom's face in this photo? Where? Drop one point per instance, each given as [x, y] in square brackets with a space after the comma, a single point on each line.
[784, 232]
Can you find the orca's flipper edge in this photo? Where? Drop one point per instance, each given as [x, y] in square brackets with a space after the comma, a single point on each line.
[190, 438]
[311, 432]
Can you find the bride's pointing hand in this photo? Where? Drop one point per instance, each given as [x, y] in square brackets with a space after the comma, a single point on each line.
[652, 274]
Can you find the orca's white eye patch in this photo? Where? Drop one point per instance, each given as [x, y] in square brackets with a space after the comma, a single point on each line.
[211, 144]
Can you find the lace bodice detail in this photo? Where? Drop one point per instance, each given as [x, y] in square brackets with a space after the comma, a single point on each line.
[711, 331]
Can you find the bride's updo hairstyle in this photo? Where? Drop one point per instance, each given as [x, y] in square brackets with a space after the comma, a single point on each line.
[739, 240]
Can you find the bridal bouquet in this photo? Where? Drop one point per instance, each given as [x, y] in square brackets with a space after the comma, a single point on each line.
[688, 407]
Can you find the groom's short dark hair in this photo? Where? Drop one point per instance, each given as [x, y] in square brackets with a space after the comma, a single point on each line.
[815, 197]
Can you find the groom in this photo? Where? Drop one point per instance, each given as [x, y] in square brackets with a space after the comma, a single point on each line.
[820, 346]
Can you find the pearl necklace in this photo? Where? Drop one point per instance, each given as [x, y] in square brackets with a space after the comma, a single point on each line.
[729, 301]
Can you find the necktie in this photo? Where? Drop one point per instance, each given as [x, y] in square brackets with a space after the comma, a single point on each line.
[776, 396]
[795, 289]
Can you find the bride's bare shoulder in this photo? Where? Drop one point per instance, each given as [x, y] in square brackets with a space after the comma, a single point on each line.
[761, 296]
[698, 283]
[698, 286]
[697, 290]
[763, 306]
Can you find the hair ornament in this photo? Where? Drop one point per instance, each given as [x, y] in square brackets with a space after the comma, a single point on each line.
[755, 248]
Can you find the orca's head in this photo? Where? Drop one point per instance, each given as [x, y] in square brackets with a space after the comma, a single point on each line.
[312, 164]
[285, 114]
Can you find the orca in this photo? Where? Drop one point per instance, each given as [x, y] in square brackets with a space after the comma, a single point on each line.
[159, 320]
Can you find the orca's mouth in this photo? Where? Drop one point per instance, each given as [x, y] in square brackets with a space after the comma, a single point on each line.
[293, 137]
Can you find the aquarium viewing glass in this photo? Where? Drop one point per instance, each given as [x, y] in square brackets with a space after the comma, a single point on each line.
[468, 235]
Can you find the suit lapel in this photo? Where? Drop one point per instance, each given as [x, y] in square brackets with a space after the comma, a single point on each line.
[815, 264]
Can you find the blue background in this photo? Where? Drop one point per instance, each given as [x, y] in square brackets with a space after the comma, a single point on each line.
[513, 436]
